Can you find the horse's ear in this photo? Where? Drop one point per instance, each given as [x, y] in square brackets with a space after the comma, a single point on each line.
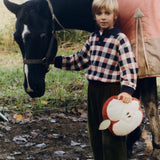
[14, 8]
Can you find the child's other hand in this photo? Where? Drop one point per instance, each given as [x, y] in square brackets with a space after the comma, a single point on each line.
[125, 97]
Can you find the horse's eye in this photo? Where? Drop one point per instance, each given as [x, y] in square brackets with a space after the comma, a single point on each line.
[42, 35]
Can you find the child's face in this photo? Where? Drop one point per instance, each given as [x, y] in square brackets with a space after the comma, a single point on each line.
[105, 19]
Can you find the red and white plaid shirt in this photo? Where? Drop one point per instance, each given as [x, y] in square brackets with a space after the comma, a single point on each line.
[109, 59]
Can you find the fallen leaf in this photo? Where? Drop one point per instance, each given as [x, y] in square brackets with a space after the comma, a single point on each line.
[44, 102]
[18, 117]
[75, 111]
[19, 140]
[73, 143]
[53, 121]
[59, 153]
[10, 157]
[42, 145]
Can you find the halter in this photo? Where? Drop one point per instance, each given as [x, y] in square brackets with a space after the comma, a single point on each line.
[45, 60]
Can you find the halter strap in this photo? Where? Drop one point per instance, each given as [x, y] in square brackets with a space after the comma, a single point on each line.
[54, 16]
[44, 60]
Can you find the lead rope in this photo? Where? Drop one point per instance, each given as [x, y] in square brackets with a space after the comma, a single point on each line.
[138, 15]
[136, 38]
[143, 43]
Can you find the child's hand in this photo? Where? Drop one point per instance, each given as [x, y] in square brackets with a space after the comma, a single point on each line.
[125, 97]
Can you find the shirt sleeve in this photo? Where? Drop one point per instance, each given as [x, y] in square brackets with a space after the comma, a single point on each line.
[77, 62]
[128, 65]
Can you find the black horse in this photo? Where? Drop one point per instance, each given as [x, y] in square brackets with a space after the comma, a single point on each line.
[35, 34]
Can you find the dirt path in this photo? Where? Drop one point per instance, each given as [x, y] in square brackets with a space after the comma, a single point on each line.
[53, 136]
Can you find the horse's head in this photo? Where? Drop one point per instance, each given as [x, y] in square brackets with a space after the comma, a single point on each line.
[35, 36]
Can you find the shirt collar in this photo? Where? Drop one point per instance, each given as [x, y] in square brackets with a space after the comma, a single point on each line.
[108, 32]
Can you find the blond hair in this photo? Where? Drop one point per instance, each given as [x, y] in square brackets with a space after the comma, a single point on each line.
[109, 5]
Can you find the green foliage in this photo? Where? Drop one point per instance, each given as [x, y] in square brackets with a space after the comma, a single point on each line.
[63, 88]
[6, 36]
[71, 37]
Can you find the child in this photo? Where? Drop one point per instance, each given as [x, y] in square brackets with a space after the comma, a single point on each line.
[107, 54]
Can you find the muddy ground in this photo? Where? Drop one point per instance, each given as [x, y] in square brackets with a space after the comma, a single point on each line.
[47, 136]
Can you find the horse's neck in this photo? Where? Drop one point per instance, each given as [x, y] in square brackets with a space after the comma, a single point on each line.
[74, 14]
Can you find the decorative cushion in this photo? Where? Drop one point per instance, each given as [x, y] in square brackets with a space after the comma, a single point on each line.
[121, 118]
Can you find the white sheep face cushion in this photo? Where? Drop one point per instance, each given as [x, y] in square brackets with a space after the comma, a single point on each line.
[121, 118]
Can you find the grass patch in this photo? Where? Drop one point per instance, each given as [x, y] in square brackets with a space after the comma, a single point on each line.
[63, 88]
